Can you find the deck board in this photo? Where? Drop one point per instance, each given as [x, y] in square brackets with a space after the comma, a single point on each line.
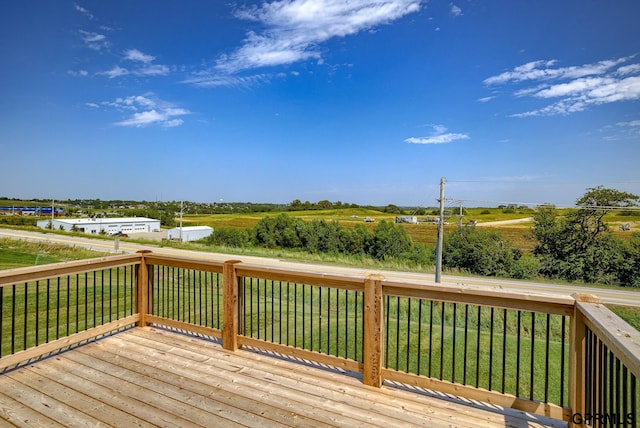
[150, 377]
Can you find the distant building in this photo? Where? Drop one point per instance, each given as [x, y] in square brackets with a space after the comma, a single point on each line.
[407, 219]
[189, 233]
[108, 226]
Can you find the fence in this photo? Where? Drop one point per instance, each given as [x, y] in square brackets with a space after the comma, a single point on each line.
[565, 357]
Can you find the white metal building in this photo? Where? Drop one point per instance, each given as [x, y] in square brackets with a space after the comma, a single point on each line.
[108, 226]
[407, 219]
[189, 233]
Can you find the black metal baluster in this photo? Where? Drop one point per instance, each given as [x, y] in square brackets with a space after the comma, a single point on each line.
[47, 311]
[95, 291]
[77, 302]
[478, 348]
[57, 308]
[295, 315]
[562, 360]
[491, 334]
[387, 333]
[101, 297]
[442, 319]
[13, 319]
[68, 304]
[304, 336]
[408, 334]
[533, 342]
[337, 323]
[518, 342]
[346, 323]
[26, 311]
[329, 321]
[546, 360]
[2, 319]
[111, 294]
[504, 350]
[419, 337]
[430, 334]
[272, 310]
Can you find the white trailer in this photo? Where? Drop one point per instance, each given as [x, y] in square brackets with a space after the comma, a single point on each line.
[189, 233]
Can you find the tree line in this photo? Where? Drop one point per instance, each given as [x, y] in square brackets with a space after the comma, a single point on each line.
[579, 246]
[387, 241]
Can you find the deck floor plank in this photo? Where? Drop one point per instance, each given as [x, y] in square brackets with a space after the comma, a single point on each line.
[152, 377]
[14, 413]
[249, 410]
[276, 396]
[261, 374]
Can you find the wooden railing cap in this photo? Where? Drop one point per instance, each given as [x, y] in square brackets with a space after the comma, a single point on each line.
[586, 298]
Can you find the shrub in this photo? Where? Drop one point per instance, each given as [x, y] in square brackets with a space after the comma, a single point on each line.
[229, 236]
[478, 251]
[526, 267]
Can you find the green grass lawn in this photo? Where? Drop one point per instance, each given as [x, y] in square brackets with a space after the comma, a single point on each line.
[18, 253]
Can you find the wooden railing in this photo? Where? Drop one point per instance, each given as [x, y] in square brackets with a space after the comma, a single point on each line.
[567, 357]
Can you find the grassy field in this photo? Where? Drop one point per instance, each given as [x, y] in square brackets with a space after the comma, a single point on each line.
[14, 254]
[518, 234]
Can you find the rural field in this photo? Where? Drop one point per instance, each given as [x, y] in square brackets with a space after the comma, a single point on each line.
[513, 224]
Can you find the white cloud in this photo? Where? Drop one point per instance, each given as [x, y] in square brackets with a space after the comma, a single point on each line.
[152, 70]
[294, 28]
[136, 55]
[81, 73]
[622, 131]
[575, 88]
[94, 41]
[438, 136]
[83, 11]
[632, 123]
[207, 80]
[455, 10]
[485, 99]
[116, 71]
[628, 69]
[147, 110]
[146, 69]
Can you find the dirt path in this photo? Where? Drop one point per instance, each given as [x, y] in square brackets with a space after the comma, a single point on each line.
[506, 222]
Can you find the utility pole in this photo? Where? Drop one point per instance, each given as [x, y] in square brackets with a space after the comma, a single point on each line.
[440, 232]
[181, 209]
[460, 221]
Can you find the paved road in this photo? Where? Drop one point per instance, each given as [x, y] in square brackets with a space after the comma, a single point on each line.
[629, 297]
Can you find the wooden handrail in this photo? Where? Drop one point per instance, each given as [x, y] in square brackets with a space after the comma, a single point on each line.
[38, 273]
[621, 338]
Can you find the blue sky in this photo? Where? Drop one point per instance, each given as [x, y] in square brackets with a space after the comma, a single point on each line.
[368, 102]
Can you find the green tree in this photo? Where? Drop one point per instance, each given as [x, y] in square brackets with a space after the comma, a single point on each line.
[278, 232]
[479, 251]
[631, 269]
[229, 236]
[357, 240]
[389, 241]
[580, 246]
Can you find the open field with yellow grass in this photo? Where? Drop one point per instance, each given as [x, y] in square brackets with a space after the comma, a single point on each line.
[505, 221]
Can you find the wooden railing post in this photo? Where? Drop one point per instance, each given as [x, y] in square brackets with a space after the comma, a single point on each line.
[577, 361]
[142, 292]
[373, 331]
[230, 294]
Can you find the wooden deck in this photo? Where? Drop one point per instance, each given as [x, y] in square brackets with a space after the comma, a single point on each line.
[151, 377]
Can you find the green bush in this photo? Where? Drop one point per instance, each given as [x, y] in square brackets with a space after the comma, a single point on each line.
[230, 237]
[478, 251]
[526, 267]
